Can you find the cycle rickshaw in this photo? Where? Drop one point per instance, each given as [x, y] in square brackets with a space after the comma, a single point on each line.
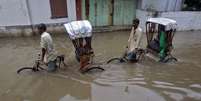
[160, 33]
[80, 33]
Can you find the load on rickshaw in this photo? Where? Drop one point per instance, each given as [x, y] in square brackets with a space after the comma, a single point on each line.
[80, 33]
[160, 33]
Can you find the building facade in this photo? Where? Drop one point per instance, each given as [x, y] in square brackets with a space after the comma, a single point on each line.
[24, 14]
[29, 12]
[19, 16]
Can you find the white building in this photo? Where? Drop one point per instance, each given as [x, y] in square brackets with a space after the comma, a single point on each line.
[18, 17]
[22, 13]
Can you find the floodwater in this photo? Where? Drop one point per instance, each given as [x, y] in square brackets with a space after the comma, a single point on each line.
[147, 80]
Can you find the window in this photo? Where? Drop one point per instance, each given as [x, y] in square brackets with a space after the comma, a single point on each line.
[58, 8]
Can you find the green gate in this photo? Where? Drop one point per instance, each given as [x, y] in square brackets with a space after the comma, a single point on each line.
[109, 12]
[124, 12]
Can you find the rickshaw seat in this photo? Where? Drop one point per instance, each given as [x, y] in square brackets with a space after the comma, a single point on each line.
[154, 45]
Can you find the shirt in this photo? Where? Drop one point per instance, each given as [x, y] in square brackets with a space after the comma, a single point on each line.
[47, 43]
[134, 39]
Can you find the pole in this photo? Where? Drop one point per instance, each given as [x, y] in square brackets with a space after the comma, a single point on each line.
[30, 16]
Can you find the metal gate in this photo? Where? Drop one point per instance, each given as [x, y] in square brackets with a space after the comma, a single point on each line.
[109, 12]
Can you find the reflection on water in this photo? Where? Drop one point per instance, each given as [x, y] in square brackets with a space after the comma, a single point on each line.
[144, 81]
[124, 92]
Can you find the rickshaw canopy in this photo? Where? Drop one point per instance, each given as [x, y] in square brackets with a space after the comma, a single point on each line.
[168, 23]
[79, 29]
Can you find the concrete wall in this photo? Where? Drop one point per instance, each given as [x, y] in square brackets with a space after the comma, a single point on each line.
[143, 16]
[185, 20]
[40, 12]
[161, 5]
[16, 16]
[27, 12]
[13, 12]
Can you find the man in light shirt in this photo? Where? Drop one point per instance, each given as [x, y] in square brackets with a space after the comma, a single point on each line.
[48, 53]
[134, 41]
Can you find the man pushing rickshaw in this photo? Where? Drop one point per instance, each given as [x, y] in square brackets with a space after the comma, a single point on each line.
[80, 33]
[159, 33]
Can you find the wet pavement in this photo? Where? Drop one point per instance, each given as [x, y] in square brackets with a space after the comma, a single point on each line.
[147, 80]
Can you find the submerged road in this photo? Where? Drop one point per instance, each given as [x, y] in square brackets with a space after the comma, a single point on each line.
[144, 81]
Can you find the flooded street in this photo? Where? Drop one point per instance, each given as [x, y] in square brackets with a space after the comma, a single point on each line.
[144, 81]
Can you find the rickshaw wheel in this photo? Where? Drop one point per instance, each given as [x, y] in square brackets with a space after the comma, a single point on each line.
[92, 69]
[29, 69]
[141, 54]
[119, 60]
[171, 59]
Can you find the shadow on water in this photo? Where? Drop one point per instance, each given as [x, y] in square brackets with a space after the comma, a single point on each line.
[144, 81]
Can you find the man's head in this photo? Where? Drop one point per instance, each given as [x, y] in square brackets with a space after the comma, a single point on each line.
[41, 28]
[136, 23]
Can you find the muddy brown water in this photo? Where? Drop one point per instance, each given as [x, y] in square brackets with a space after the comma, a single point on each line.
[144, 81]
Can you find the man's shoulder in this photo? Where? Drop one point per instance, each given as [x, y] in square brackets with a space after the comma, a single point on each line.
[45, 34]
[139, 29]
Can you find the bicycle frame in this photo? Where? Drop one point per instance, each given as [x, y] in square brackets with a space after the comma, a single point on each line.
[37, 65]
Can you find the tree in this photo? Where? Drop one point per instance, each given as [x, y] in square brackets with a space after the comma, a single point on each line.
[192, 5]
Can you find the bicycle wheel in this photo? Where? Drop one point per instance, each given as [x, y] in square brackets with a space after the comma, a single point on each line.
[140, 57]
[116, 60]
[171, 59]
[40, 68]
[26, 69]
[94, 68]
